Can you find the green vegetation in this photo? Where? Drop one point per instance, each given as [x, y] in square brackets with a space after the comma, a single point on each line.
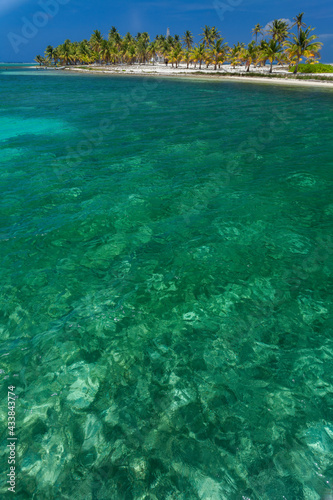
[314, 68]
[302, 45]
[277, 45]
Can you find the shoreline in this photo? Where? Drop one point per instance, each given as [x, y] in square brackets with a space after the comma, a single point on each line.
[281, 77]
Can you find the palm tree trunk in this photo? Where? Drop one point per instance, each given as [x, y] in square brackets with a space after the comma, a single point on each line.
[296, 67]
[271, 70]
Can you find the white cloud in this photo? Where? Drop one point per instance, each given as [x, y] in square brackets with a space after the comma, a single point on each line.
[326, 36]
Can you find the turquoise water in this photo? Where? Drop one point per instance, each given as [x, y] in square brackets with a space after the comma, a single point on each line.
[166, 278]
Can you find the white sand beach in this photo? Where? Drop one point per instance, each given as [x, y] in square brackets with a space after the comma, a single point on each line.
[280, 75]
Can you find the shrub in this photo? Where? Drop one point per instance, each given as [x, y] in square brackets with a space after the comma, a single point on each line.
[314, 68]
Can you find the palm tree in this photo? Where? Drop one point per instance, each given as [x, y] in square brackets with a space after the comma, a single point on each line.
[128, 38]
[65, 53]
[303, 45]
[272, 52]
[224, 54]
[129, 53]
[187, 57]
[84, 52]
[105, 51]
[115, 55]
[50, 53]
[115, 38]
[40, 60]
[283, 46]
[249, 55]
[282, 59]
[96, 41]
[208, 58]
[112, 33]
[160, 44]
[188, 40]
[217, 52]
[279, 30]
[176, 55]
[152, 50]
[56, 55]
[261, 60]
[235, 54]
[75, 52]
[206, 35]
[194, 54]
[142, 46]
[170, 41]
[160, 38]
[215, 35]
[257, 30]
[298, 21]
[164, 50]
[199, 54]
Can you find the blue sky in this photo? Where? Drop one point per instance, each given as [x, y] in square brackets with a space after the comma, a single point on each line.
[26, 29]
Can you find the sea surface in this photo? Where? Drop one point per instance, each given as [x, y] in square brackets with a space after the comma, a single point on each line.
[166, 288]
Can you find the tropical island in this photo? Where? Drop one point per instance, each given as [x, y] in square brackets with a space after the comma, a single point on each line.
[282, 45]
